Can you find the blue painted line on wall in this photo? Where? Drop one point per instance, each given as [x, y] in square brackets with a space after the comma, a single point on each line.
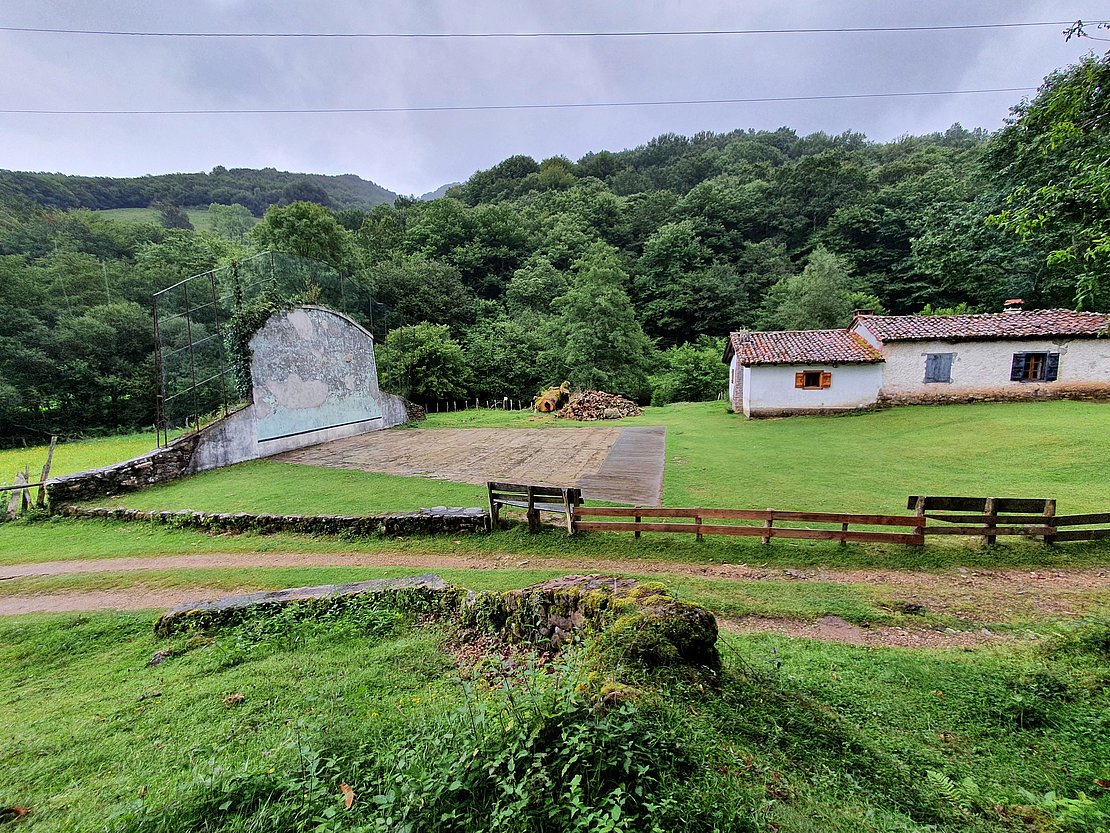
[314, 430]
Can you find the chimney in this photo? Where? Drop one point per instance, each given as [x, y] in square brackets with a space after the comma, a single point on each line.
[1013, 305]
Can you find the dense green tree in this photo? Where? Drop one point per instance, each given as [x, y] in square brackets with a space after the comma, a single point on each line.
[821, 297]
[1056, 156]
[423, 363]
[690, 373]
[503, 358]
[171, 216]
[601, 343]
[305, 229]
[231, 221]
[414, 289]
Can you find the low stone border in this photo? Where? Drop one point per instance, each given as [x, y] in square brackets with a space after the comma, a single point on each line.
[630, 622]
[436, 520]
[159, 466]
[424, 594]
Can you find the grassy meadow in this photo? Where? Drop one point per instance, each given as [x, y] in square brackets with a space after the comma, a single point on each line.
[201, 218]
[256, 728]
[868, 462]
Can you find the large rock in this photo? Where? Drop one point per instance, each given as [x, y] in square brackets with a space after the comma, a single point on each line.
[427, 593]
[637, 622]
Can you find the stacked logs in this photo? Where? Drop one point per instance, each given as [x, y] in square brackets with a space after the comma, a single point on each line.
[597, 404]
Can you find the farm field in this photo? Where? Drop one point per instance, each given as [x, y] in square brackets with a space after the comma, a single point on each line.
[953, 687]
[201, 218]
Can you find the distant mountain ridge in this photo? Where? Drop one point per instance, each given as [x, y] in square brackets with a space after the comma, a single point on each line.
[439, 192]
[256, 188]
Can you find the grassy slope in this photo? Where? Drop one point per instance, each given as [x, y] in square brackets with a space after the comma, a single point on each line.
[201, 218]
[799, 737]
[72, 457]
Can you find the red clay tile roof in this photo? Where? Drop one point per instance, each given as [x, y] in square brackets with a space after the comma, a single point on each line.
[801, 347]
[1031, 324]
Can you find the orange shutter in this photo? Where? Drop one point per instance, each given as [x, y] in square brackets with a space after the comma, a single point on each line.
[799, 380]
[826, 379]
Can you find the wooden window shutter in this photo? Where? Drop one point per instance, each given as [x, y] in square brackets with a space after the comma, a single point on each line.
[799, 380]
[944, 367]
[1017, 369]
[931, 367]
[826, 379]
[1052, 367]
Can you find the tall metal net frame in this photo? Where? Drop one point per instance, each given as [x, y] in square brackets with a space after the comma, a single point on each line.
[195, 365]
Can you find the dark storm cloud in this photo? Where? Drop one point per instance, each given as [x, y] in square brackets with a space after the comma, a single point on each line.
[415, 152]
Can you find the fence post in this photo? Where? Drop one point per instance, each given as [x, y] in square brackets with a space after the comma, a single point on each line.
[843, 534]
[40, 501]
[767, 524]
[697, 523]
[637, 518]
[1049, 515]
[992, 519]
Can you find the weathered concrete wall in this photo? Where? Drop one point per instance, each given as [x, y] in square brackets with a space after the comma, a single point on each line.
[315, 379]
[769, 389]
[159, 466]
[981, 370]
[736, 385]
[433, 521]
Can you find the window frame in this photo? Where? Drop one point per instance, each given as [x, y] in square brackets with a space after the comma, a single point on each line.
[1035, 366]
[824, 379]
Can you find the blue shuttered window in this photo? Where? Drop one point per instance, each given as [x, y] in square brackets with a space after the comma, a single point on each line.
[938, 367]
[1035, 367]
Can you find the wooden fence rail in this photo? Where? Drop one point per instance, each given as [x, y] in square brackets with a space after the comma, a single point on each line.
[633, 521]
[990, 517]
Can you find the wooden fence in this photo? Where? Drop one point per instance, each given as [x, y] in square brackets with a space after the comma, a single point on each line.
[992, 516]
[1032, 518]
[695, 521]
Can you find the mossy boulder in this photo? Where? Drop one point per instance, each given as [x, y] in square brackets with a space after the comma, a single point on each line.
[639, 623]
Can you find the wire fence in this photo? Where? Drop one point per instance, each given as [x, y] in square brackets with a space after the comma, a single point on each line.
[191, 328]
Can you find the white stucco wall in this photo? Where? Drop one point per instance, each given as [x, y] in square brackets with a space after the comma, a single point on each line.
[769, 389]
[982, 368]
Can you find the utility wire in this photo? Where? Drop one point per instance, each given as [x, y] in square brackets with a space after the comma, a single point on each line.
[618, 34]
[477, 107]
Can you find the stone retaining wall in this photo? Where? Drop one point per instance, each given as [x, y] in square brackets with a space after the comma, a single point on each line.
[159, 466]
[437, 520]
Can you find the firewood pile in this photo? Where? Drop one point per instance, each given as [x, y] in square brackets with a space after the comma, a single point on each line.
[590, 405]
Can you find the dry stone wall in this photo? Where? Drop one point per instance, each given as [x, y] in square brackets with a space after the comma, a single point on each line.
[159, 466]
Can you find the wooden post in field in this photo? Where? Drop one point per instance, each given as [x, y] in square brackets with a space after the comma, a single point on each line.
[767, 524]
[40, 501]
[843, 534]
[992, 519]
[19, 496]
[637, 526]
[1049, 514]
[697, 523]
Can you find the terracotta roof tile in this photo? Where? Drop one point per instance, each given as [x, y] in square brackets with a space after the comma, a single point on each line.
[802, 347]
[1031, 324]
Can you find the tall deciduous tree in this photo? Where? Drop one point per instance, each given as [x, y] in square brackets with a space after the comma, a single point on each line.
[306, 229]
[1056, 153]
[597, 341]
[821, 297]
[423, 362]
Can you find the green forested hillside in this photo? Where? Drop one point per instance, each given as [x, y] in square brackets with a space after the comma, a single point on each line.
[256, 189]
[623, 270]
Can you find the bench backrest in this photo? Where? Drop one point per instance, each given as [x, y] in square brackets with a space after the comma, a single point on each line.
[521, 492]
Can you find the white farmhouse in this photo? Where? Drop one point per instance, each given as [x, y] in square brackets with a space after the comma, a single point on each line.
[898, 359]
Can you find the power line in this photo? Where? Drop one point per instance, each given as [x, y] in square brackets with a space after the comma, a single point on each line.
[491, 35]
[479, 107]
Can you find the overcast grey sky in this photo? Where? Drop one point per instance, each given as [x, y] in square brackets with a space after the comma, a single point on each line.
[417, 152]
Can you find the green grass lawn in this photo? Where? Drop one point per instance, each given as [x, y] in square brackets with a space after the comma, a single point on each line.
[868, 462]
[76, 456]
[257, 727]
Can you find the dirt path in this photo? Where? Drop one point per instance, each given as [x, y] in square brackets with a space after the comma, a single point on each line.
[835, 629]
[87, 601]
[977, 595]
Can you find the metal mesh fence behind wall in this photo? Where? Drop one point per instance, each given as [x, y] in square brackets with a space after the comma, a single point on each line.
[191, 321]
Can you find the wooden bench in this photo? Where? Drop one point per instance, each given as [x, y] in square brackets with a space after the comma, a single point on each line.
[534, 499]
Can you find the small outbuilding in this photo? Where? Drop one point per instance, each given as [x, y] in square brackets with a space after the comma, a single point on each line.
[902, 359]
